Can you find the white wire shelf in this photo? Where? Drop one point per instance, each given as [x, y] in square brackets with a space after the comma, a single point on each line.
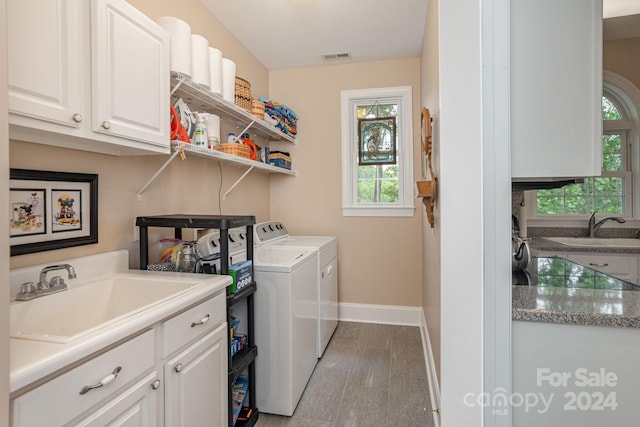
[218, 156]
[198, 97]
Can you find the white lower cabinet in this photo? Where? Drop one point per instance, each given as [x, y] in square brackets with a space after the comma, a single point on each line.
[61, 400]
[135, 407]
[196, 383]
[174, 374]
[622, 266]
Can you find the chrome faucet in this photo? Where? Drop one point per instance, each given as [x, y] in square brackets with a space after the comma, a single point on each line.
[29, 290]
[595, 226]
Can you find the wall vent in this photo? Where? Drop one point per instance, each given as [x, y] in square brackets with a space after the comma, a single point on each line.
[336, 56]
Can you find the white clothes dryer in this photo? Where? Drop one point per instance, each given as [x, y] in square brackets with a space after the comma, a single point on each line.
[274, 233]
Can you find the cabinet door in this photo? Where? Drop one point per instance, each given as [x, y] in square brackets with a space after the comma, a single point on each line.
[624, 267]
[196, 383]
[135, 407]
[130, 70]
[556, 88]
[46, 59]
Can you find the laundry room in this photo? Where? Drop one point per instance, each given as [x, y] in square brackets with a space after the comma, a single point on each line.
[270, 196]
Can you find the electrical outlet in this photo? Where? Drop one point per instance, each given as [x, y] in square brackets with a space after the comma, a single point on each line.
[136, 231]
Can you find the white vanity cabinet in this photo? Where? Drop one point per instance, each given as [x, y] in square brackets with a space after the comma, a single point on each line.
[90, 75]
[195, 367]
[196, 383]
[556, 88]
[172, 373]
[128, 374]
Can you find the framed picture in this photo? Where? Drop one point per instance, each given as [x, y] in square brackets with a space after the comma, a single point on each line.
[51, 210]
[377, 141]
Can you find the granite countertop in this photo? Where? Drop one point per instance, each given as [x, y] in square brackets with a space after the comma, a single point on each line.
[542, 244]
[577, 306]
[591, 307]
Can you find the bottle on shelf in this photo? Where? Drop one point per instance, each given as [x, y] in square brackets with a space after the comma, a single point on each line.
[231, 137]
[200, 134]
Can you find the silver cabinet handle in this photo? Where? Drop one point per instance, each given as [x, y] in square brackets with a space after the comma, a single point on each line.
[202, 321]
[594, 264]
[178, 367]
[106, 380]
[155, 385]
[106, 124]
[77, 117]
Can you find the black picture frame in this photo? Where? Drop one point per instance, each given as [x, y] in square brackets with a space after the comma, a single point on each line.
[51, 210]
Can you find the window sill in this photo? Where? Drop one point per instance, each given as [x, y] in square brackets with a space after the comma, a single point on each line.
[387, 211]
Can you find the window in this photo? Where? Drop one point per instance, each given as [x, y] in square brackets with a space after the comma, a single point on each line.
[377, 152]
[611, 193]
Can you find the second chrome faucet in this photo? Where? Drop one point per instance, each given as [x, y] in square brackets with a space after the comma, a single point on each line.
[594, 226]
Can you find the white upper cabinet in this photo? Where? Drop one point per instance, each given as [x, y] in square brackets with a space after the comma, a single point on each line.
[91, 75]
[130, 73]
[46, 60]
[556, 88]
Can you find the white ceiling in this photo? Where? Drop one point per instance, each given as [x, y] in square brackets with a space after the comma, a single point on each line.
[296, 33]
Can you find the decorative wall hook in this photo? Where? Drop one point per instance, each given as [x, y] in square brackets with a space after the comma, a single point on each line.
[427, 189]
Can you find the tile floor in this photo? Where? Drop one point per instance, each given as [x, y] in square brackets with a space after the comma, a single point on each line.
[370, 375]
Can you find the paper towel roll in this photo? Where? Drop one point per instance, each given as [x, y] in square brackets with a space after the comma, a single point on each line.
[200, 60]
[215, 70]
[228, 80]
[213, 126]
[180, 45]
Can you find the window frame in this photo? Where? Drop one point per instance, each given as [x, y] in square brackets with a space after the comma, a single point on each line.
[350, 99]
[626, 97]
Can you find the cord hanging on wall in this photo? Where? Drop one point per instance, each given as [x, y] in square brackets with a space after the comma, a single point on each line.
[427, 189]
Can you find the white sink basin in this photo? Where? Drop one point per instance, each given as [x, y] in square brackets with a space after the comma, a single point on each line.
[90, 306]
[595, 241]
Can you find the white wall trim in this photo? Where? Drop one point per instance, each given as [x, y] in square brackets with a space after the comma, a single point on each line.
[432, 376]
[385, 314]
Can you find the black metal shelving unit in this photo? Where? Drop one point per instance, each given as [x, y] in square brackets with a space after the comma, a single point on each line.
[244, 359]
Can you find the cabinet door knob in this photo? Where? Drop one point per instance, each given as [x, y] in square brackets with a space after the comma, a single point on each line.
[106, 124]
[202, 321]
[77, 117]
[155, 385]
[106, 380]
[178, 367]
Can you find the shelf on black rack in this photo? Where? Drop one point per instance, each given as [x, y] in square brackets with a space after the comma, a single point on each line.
[233, 299]
[250, 421]
[241, 360]
[196, 221]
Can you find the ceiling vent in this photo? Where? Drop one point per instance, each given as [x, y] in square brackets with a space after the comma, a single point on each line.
[336, 56]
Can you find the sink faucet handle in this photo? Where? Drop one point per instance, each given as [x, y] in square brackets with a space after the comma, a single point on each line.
[57, 281]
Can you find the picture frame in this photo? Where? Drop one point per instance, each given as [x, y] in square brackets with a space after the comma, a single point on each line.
[377, 141]
[51, 210]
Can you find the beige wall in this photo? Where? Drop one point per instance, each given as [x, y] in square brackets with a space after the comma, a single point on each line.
[431, 236]
[189, 186]
[4, 249]
[621, 57]
[379, 258]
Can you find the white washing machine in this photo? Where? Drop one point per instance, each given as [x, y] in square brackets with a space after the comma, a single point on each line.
[285, 307]
[274, 233]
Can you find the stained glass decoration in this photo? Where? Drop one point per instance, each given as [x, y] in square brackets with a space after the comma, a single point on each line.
[377, 141]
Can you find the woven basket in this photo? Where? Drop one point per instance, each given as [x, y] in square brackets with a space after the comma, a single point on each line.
[257, 108]
[236, 149]
[243, 94]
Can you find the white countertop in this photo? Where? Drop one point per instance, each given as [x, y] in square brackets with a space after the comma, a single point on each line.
[33, 361]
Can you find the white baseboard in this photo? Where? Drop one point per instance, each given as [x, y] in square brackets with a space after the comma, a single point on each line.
[398, 315]
[386, 314]
[432, 377]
